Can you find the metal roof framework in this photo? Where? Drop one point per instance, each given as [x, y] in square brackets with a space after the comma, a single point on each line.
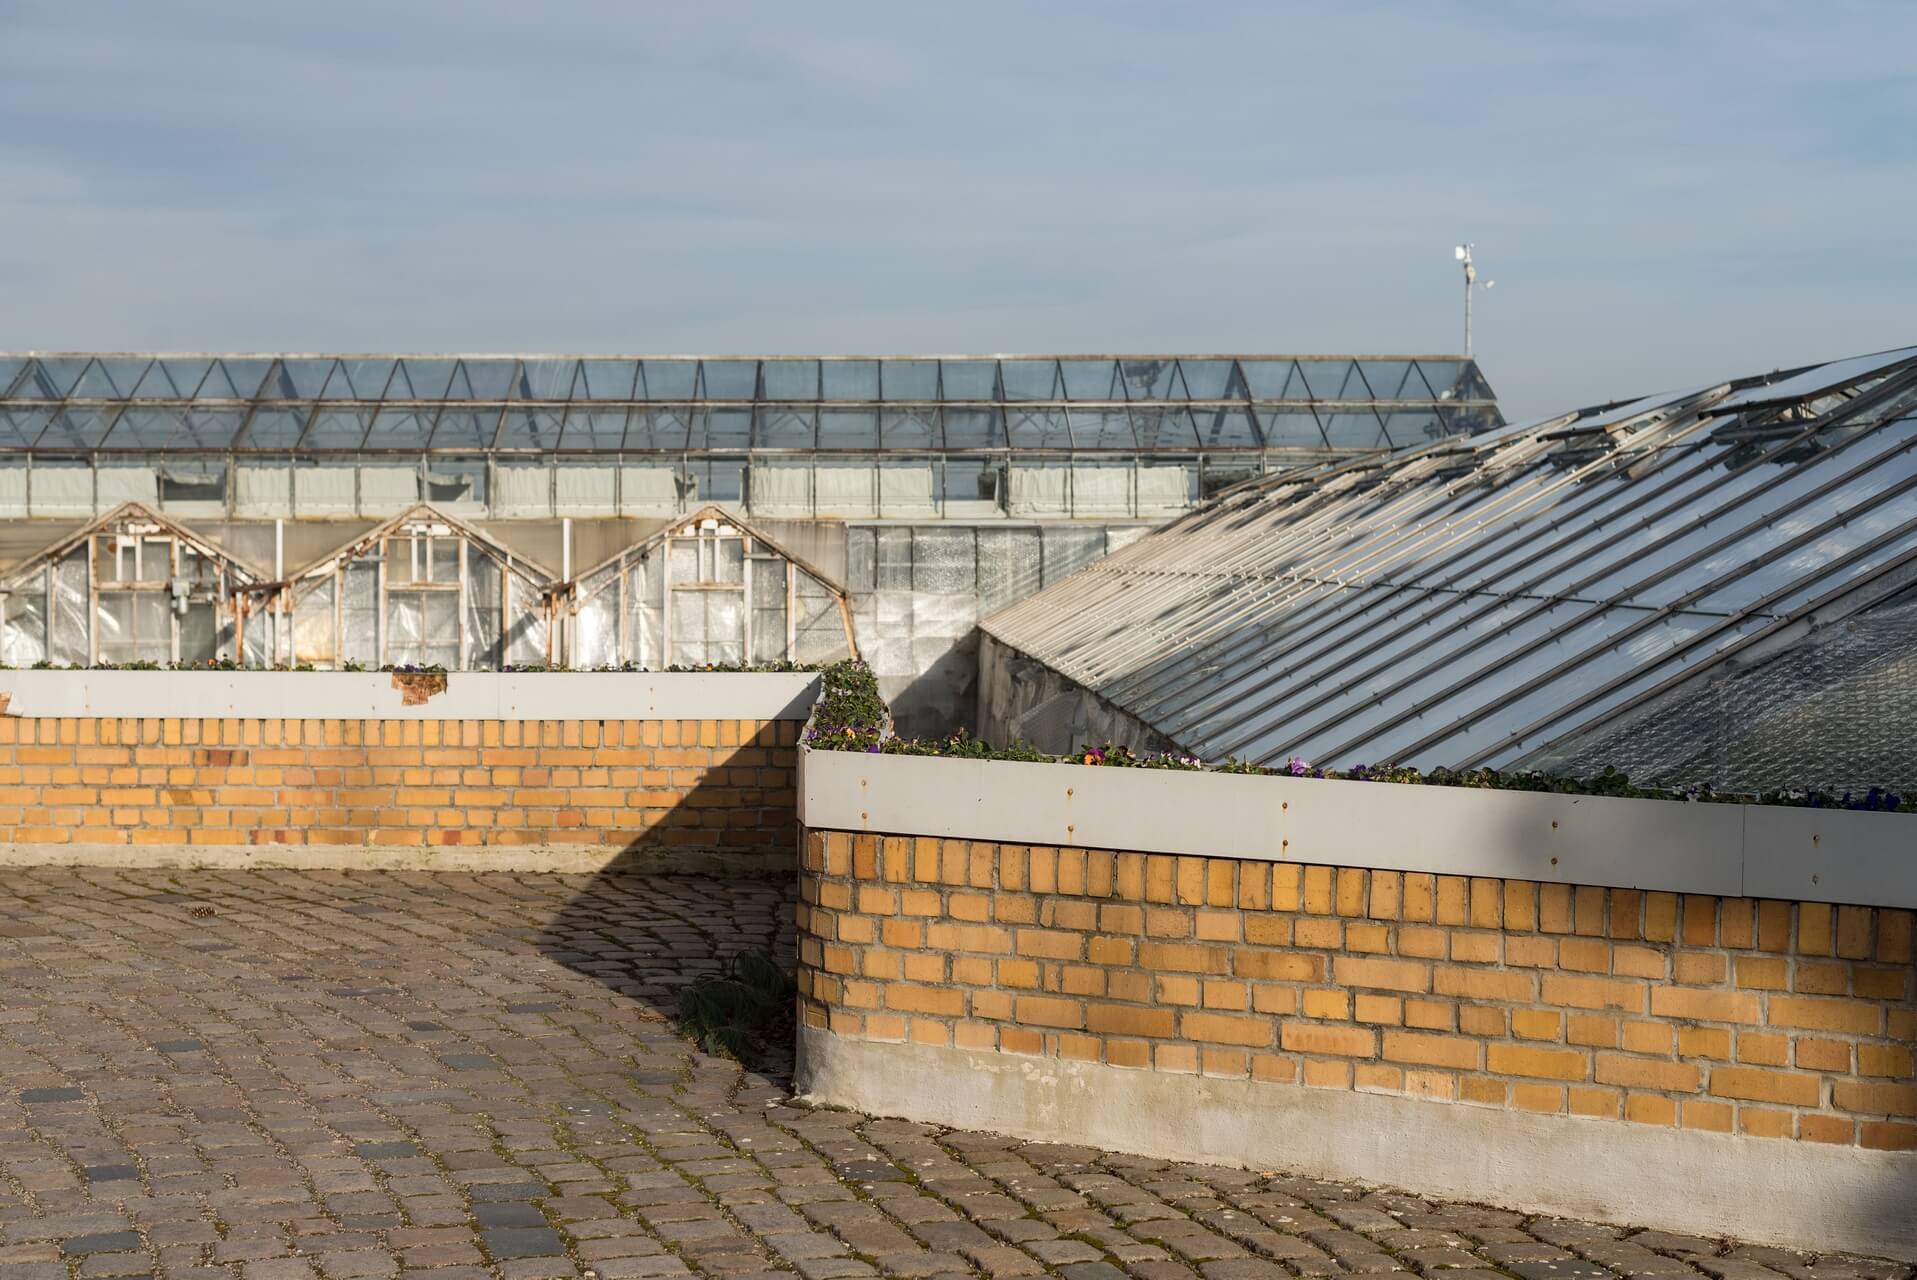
[126, 403]
[1479, 601]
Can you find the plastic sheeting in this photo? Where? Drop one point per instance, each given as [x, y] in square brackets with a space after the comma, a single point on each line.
[845, 488]
[60, 488]
[326, 489]
[482, 610]
[768, 609]
[1038, 491]
[69, 640]
[262, 490]
[521, 489]
[782, 489]
[595, 624]
[123, 482]
[585, 489]
[648, 490]
[25, 640]
[645, 634]
[707, 627]
[313, 638]
[359, 614]
[387, 490]
[1102, 490]
[526, 624]
[422, 628]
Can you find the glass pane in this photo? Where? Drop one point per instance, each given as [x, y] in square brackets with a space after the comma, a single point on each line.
[1166, 428]
[848, 428]
[783, 428]
[606, 380]
[336, 429]
[1091, 380]
[11, 369]
[1210, 379]
[19, 428]
[974, 428]
[668, 379]
[1038, 429]
[1274, 380]
[1030, 379]
[728, 379]
[1152, 380]
[791, 379]
[969, 379]
[1290, 429]
[729, 560]
[298, 379]
[401, 429]
[768, 610]
[909, 428]
[51, 377]
[276, 428]
[482, 379]
[1326, 379]
[420, 380]
[359, 380]
[545, 379]
[1356, 431]
[594, 429]
[466, 428]
[720, 429]
[445, 559]
[657, 429]
[1387, 378]
[849, 379]
[1221, 428]
[78, 427]
[110, 378]
[1102, 429]
[235, 378]
[172, 378]
[525, 428]
[909, 379]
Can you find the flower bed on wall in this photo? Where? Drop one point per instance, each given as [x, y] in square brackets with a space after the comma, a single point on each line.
[851, 716]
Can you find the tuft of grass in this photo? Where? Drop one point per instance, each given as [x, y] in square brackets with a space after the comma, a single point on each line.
[730, 1014]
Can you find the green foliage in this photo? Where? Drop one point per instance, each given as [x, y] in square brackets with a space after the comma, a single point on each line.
[730, 1014]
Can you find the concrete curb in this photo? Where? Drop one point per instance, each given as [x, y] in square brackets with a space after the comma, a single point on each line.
[1801, 1195]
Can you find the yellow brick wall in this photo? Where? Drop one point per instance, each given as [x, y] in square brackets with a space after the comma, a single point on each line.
[1777, 1019]
[706, 784]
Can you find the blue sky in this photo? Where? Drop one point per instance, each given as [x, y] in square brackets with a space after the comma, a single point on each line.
[1665, 193]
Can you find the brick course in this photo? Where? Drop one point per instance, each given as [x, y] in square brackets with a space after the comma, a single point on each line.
[1766, 1018]
[697, 784]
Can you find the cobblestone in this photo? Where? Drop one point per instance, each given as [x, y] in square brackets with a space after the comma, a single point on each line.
[277, 1076]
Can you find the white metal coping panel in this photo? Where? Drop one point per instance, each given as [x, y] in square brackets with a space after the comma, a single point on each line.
[1728, 850]
[373, 695]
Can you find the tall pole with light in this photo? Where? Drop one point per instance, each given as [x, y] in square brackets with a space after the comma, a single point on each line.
[1463, 254]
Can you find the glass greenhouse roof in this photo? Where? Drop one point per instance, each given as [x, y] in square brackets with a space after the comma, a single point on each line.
[1482, 601]
[118, 403]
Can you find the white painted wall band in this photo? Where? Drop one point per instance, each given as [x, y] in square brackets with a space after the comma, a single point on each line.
[372, 695]
[1731, 850]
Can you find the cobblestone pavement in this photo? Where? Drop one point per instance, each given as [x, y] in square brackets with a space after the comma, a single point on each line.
[283, 1077]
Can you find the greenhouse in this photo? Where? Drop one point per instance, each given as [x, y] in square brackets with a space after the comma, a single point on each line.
[706, 590]
[527, 437]
[131, 587]
[1707, 587]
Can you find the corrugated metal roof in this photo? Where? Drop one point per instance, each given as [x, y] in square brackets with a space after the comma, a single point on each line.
[1476, 600]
